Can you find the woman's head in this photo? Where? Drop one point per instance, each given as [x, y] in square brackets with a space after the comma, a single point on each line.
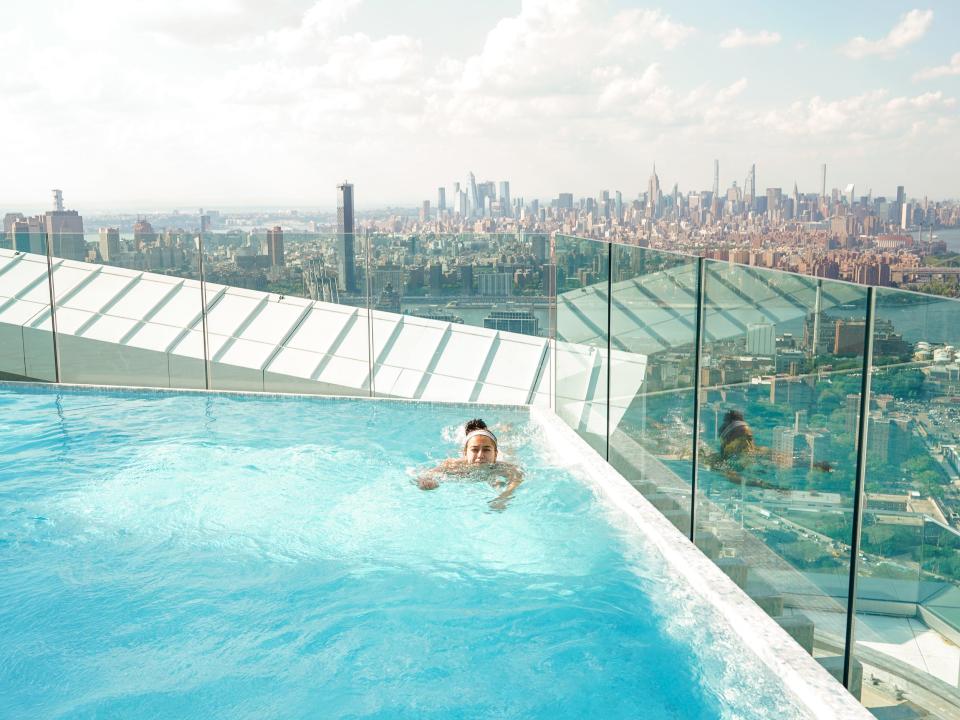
[480, 445]
[735, 434]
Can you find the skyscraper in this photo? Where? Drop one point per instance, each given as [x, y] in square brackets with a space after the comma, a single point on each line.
[275, 245]
[65, 229]
[715, 198]
[823, 181]
[109, 244]
[474, 208]
[346, 272]
[504, 197]
[653, 194]
[441, 201]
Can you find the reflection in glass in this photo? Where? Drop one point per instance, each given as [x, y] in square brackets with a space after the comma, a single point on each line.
[781, 371]
[582, 271]
[653, 330]
[909, 569]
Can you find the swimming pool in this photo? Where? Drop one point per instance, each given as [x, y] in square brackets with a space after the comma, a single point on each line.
[189, 554]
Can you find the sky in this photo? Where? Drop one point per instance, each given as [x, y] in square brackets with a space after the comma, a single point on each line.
[158, 104]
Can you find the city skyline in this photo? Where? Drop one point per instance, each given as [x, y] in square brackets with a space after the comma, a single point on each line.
[236, 106]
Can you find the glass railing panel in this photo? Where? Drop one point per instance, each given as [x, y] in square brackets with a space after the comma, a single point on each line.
[781, 370]
[653, 330]
[460, 317]
[909, 570]
[285, 313]
[582, 327]
[26, 337]
[130, 312]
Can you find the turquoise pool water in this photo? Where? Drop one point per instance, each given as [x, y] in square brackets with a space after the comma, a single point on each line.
[192, 555]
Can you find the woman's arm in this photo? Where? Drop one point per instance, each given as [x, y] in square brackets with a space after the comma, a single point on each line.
[514, 478]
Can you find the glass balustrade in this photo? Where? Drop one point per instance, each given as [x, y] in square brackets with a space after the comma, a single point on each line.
[27, 341]
[129, 308]
[653, 317]
[582, 337]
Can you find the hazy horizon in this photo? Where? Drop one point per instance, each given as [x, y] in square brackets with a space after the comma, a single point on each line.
[239, 104]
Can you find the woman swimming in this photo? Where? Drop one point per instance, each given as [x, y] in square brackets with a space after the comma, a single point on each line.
[479, 461]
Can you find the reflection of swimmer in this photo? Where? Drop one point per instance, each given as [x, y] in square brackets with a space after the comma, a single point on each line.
[740, 454]
[738, 451]
[479, 461]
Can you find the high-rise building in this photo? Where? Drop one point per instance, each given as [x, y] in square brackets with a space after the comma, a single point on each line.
[715, 196]
[565, 201]
[275, 246]
[761, 339]
[425, 211]
[618, 206]
[504, 197]
[823, 181]
[109, 244]
[653, 195]
[441, 201]
[346, 269]
[474, 206]
[65, 230]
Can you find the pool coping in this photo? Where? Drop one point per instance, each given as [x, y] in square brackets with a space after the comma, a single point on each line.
[814, 689]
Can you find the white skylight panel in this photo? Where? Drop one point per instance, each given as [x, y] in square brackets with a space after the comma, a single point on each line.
[21, 274]
[65, 279]
[248, 354]
[322, 327]
[182, 309]
[385, 379]
[498, 394]
[109, 328]
[414, 346]
[23, 312]
[444, 387]
[154, 336]
[385, 326]
[294, 362]
[405, 384]
[191, 345]
[230, 312]
[96, 294]
[346, 373]
[141, 298]
[69, 320]
[355, 344]
[465, 352]
[273, 322]
[515, 363]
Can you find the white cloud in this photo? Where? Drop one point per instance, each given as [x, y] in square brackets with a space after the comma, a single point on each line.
[872, 114]
[737, 38]
[953, 68]
[911, 27]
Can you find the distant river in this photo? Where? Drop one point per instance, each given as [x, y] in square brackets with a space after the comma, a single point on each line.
[951, 236]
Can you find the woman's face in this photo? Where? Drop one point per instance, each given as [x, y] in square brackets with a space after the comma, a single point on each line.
[480, 449]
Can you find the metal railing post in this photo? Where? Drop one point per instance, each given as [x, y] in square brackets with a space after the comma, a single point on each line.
[697, 362]
[53, 308]
[858, 490]
[203, 313]
[609, 342]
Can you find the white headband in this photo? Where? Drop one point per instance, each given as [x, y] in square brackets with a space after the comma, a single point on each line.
[474, 433]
